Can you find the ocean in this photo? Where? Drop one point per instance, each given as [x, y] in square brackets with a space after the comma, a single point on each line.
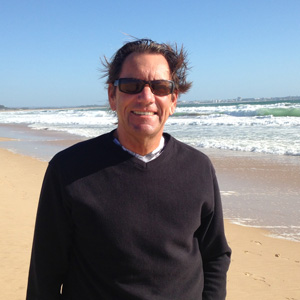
[262, 127]
[269, 128]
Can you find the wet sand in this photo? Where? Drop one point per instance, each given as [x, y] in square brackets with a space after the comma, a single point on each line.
[262, 267]
[260, 190]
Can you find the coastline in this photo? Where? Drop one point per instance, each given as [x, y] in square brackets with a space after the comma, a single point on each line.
[40, 144]
[260, 190]
[262, 267]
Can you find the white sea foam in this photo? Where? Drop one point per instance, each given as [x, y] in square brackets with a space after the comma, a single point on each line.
[286, 232]
[240, 127]
[229, 193]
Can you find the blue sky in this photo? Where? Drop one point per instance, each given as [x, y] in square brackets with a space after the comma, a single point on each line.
[50, 50]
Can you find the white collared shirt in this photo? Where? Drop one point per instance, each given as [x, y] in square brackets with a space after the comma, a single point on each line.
[148, 157]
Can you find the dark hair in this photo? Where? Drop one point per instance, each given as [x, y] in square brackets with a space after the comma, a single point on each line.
[177, 60]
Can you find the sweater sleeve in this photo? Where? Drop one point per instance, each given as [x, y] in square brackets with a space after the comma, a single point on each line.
[51, 243]
[214, 250]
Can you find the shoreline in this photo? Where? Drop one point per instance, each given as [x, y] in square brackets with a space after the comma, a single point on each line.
[40, 144]
[261, 191]
[262, 267]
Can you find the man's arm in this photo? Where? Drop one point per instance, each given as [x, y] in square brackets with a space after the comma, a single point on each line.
[215, 251]
[52, 239]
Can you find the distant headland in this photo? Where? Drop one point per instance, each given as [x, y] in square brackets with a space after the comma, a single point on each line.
[235, 100]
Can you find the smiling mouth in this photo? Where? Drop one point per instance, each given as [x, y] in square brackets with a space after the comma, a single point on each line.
[144, 113]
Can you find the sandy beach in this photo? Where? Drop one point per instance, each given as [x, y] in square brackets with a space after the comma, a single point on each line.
[262, 267]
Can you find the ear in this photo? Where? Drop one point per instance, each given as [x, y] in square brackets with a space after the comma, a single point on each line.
[173, 102]
[112, 97]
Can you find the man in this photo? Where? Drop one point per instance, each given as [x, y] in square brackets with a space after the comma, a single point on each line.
[134, 213]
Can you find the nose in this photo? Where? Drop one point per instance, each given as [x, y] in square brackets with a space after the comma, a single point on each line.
[146, 94]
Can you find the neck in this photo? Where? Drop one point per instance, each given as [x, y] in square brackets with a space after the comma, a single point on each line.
[139, 145]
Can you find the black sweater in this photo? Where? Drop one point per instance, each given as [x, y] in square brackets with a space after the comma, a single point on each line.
[110, 226]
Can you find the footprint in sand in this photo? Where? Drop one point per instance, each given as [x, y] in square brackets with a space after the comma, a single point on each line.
[278, 255]
[257, 243]
[259, 278]
[249, 252]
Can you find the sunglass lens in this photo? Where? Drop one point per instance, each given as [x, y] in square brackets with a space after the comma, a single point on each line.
[161, 88]
[131, 86]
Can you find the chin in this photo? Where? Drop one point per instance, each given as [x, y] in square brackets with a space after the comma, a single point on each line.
[147, 130]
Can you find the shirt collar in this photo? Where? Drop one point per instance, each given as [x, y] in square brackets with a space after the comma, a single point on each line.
[148, 157]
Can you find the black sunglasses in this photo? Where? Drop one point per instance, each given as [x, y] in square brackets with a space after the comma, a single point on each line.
[135, 86]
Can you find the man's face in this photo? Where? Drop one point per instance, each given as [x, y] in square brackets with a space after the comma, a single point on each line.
[142, 115]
